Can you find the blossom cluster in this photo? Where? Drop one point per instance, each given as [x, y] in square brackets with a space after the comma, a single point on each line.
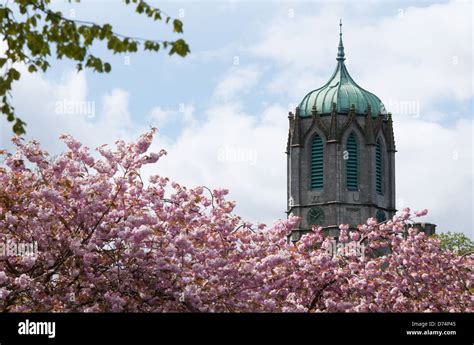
[110, 241]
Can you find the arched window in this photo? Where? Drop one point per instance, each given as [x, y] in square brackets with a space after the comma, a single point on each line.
[352, 163]
[378, 168]
[317, 163]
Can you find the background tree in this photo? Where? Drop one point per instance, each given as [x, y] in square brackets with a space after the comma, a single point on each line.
[34, 33]
[456, 242]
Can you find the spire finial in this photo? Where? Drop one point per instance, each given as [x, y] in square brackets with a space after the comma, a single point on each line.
[340, 50]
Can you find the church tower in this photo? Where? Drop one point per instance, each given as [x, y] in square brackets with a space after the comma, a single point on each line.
[341, 156]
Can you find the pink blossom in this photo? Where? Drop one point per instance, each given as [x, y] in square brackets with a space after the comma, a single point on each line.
[4, 293]
[22, 281]
[371, 222]
[344, 227]
[124, 244]
[421, 213]
[3, 277]
[354, 236]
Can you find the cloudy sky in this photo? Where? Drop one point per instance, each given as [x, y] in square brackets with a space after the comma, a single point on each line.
[222, 111]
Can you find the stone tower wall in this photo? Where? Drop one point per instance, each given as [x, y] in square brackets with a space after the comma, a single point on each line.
[338, 204]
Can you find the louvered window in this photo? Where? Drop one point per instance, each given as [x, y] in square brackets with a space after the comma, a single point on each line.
[317, 163]
[378, 168]
[352, 164]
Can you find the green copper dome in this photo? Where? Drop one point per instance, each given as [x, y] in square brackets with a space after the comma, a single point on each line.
[342, 90]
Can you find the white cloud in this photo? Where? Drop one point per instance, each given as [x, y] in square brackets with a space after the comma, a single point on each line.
[238, 80]
[434, 170]
[51, 108]
[234, 149]
[72, 86]
[162, 118]
[115, 111]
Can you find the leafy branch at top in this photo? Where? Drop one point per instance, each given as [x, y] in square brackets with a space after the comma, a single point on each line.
[31, 30]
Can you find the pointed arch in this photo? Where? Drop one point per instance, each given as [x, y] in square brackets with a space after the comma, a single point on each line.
[352, 163]
[317, 163]
[316, 124]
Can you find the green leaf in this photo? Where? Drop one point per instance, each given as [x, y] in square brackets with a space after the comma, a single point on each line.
[3, 13]
[177, 26]
[15, 75]
[19, 127]
[179, 47]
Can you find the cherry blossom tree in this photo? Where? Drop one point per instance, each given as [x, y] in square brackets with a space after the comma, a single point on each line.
[108, 240]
